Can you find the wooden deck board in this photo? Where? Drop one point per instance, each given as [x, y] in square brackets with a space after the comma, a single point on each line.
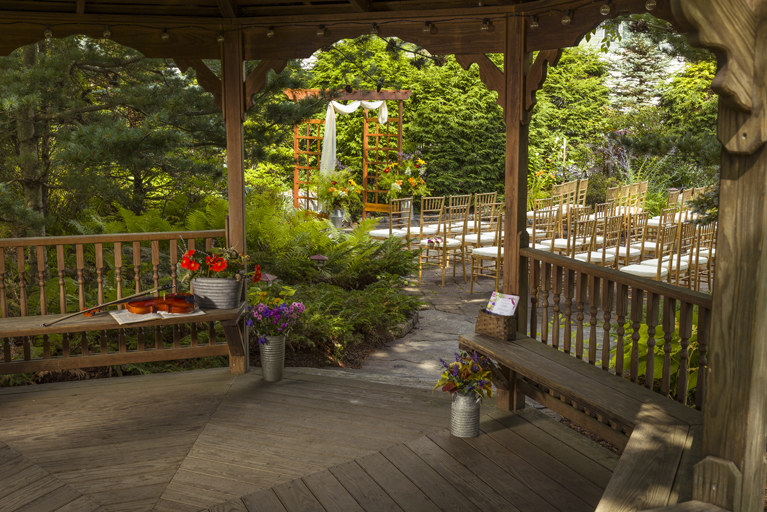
[330, 493]
[208, 440]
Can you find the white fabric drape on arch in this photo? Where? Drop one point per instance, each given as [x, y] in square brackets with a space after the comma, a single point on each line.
[328, 159]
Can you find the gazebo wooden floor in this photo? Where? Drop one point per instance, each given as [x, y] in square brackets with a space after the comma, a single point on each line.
[204, 440]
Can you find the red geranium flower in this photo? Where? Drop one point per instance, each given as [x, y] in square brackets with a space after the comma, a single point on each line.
[217, 264]
[387, 169]
[257, 274]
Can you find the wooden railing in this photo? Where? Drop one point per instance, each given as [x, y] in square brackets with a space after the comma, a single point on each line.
[614, 320]
[54, 275]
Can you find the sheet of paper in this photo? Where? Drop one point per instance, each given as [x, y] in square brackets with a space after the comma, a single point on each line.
[123, 316]
[502, 304]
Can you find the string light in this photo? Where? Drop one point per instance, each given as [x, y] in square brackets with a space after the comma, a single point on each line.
[48, 33]
[534, 23]
[568, 18]
[165, 36]
[219, 38]
[270, 32]
[428, 27]
[650, 5]
[605, 9]
[107, 33]
[487, 25]
[322, 31]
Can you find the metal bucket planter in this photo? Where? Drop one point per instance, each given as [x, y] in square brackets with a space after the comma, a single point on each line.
[337, 217]
[272, 357]
[216, 293]
[464, 415]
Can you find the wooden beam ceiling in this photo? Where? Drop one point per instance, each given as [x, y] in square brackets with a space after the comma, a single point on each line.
[193, 28]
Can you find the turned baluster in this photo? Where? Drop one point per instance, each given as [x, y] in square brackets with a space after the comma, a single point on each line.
[99, 254]
[637, 299]
[652, 323]
[669, 326]
[545, 286]
[140, 346]
[621, 307]
[535, 272]
[61, 265]
[607, 308]
[557, 290]
[211, 325]
[569, 288]
[194, 336]
[580, 294]
[704, 327]
[118, 255]
[173, 253]
[156, 280]
[685, 331]
[80, 262]
[20, 268]
[593, 303]
[41, 270]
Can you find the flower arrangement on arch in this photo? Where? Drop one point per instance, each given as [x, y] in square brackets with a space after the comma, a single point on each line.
[273, 313]
[404, 178]
[337, 189]
[217, 262]
[467, 375]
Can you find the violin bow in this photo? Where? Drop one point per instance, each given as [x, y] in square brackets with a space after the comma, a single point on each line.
[112, 303]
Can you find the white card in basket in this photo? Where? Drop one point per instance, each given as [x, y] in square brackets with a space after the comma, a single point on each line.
[502, 304]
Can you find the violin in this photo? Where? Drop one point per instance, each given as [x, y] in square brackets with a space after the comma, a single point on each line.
[172, 303]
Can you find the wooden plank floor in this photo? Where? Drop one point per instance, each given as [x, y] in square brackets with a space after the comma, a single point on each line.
[206, 440]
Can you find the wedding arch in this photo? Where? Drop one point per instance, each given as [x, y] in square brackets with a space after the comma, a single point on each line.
[314, 144]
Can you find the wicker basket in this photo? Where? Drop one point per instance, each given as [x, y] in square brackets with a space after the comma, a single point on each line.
[496, 326]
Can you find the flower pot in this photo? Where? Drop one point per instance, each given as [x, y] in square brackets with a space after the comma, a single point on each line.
[464, 415]
[337, 217]
[216, 293]
[272, 357]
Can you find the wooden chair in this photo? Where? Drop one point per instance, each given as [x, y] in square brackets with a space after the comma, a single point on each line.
[430, 220]
[399, 220]
[703, 257]
[607, 255]
[678, 260]
[460, 200]
[456, 227]
[661, 270]
[488, 261]
[634, 239]
[583, 186]
[672, 197]
[544, 223]
[479, 201]
[612, 195]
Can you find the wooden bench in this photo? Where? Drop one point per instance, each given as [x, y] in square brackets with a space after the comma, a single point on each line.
[28, 326]
[659, 437]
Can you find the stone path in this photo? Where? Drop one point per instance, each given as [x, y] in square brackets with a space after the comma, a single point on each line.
[448, 312]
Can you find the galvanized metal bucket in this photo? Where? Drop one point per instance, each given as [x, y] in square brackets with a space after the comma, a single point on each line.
[216, 293]
[337, 217]
[464, 415]
[272, 357]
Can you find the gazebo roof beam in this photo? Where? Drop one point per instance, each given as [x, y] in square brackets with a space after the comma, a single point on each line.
[80, 7]
[228, 8]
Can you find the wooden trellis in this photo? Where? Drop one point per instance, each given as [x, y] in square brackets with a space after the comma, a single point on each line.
[381, 146]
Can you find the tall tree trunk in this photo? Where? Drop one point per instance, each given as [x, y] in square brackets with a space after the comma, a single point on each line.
[33, 173]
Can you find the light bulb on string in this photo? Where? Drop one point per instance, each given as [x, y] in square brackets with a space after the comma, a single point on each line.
[567, 18]
[107, 33]
[48, 33]
[270, 32]
[322, 31]
[428, 27]
[219, 38]
[374, 29]
[605, 9]
[650, 5]
[165, 36]
[487, 25]
[534, 22]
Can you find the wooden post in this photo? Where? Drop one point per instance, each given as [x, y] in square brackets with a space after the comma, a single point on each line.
[735, 412]
[515, 220]
[233, 92]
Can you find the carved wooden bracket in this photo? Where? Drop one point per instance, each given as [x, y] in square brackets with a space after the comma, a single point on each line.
[205, 77]
[492, 77]
[211, 83]
[536, 75]
[736, 30]
[257, 79]
[495, 79]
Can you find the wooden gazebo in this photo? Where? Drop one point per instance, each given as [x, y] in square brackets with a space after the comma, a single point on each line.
[732, 474]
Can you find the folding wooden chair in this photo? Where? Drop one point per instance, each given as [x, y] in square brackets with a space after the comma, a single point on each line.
[399, 220]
